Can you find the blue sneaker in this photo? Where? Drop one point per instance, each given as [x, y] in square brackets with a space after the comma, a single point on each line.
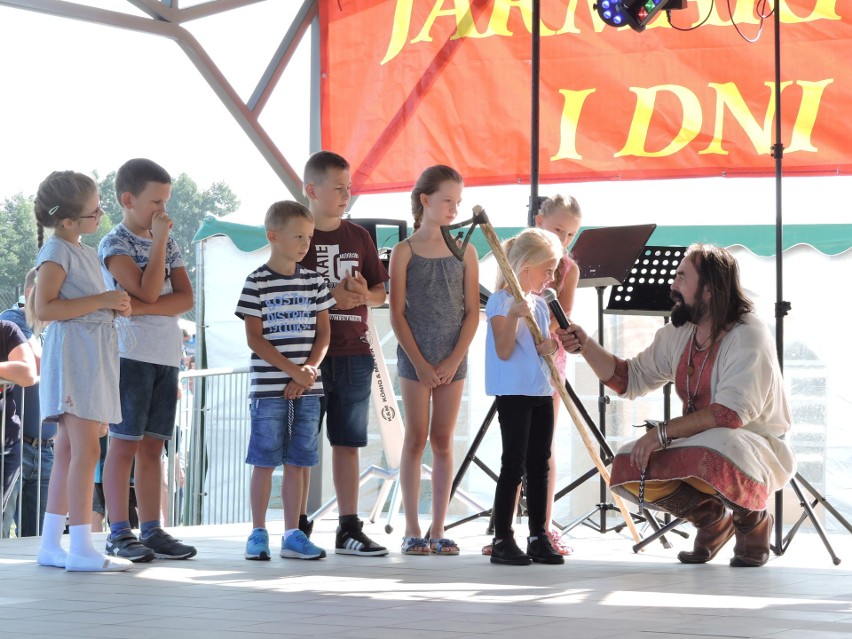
[257, 546]
[298, 546]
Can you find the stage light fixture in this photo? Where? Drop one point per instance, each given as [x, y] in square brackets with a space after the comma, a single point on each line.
[635, 14]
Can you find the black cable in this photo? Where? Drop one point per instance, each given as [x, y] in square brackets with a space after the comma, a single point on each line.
[759, 9]
[706, 18]
[760, 15]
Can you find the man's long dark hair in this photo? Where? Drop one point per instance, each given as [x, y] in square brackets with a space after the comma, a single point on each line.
[718, 270]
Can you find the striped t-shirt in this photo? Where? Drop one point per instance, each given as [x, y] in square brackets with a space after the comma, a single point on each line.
[288, 306]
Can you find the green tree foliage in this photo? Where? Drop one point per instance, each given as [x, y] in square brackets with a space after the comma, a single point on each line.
[188, 206]
[109, 203]
[18, 244]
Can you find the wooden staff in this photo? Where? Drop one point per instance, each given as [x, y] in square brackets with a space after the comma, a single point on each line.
[518, 294]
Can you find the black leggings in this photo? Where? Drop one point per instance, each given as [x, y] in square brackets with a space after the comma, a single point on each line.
[526, 426]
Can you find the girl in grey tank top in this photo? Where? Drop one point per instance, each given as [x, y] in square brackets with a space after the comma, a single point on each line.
[434, 303]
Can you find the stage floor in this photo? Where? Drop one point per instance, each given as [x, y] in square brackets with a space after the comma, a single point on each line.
[603, 590]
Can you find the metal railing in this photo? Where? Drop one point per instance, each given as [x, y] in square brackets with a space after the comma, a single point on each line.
[16, 488]
[207, 479]
[5, 460]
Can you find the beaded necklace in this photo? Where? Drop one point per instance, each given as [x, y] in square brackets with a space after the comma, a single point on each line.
[690, 396]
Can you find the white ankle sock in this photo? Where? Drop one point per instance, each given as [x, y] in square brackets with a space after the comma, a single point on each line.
[81, 540]
[51, 553]
[51, 531]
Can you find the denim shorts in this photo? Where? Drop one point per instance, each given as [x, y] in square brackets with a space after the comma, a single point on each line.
[281, 437]
[149, 394]
[347, 381]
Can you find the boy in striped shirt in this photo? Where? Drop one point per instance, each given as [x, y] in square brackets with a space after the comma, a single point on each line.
[285, 309]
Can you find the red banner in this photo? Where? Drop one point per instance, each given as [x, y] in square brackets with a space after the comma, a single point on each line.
[411, 83]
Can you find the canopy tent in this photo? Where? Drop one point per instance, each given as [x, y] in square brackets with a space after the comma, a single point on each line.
[829, 239]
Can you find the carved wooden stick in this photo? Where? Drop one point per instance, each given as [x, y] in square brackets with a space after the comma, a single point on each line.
[518, 294]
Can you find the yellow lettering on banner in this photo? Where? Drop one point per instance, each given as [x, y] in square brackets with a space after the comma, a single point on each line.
[573, 104]
[638, 134]
[399, 33]
[823, 10]
[499, 22]
[806, 118]
[728, 95]
[570, 23]
[460, 10]
[745, 14]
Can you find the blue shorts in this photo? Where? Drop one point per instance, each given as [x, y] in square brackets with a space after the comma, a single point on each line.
[149, 394]
[281, 437]
[347, 381]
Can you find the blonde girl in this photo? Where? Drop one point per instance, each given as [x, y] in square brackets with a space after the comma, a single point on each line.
[516, 374]
[79, 364]
[562, 217]
[434, 308]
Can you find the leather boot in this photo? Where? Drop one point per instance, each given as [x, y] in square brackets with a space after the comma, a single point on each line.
[708, 514]
[753, 530]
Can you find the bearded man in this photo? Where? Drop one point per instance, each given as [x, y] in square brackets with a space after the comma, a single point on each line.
[727, 452]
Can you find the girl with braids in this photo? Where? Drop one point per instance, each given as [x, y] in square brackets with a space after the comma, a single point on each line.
[434, 308]
[79, 365]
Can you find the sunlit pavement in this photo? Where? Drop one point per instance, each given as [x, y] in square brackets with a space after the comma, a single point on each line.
[603, 590]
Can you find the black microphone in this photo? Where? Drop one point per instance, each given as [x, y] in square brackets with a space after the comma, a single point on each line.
[549, 296]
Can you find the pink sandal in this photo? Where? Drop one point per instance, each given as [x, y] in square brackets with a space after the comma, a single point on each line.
[558, 545]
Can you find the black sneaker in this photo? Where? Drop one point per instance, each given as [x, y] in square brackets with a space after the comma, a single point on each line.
[541, 551]
[306, 525]
[167, 547]
[507, 552]
[352, 541]
[125, 544]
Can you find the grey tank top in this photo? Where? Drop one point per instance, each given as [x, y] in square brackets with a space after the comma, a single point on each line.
[434, 310]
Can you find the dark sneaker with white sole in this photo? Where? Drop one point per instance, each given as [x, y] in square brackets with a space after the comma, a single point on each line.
[167, 547]
[540, 550]
[125, 544]
[351, 540]
[506, 552]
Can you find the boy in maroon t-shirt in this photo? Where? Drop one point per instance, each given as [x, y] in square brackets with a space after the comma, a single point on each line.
[345, 255]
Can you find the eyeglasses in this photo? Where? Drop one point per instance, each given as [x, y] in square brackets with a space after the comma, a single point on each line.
[98, 212]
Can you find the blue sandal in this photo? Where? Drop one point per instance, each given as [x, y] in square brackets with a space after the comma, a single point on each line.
[415, 546]
[444, 546]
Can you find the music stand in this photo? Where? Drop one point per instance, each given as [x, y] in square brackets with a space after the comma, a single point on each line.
[605, 257]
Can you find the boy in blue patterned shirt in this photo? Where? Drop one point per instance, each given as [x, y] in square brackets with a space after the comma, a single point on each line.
[140, 256]
[285, 308]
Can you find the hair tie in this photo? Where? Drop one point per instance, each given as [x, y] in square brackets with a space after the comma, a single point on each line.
[53, 210]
